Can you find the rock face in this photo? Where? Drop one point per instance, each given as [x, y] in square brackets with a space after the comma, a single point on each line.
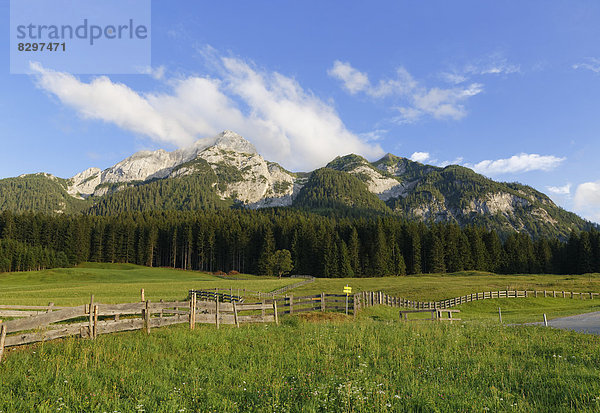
[384, 185]
[243, 174]
[497, 203]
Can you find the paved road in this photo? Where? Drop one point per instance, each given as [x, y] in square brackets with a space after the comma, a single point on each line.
[583, 323]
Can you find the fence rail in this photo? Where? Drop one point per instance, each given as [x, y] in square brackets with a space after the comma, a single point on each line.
[291, 304]
[307, 279]
[208, 295]
[370, 298]
[89, 320]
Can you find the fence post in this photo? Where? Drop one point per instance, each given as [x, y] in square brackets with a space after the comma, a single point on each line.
[262, 311]
[346, 304]
[2, 339]
[192, 311]
[217, 312]
[291, 302]
[91, 318]
[545, 321]
[143, 296]
[322, 301]
[235, 316]
[275, 312]
[147, 317]
[95, 321]
[500, 314]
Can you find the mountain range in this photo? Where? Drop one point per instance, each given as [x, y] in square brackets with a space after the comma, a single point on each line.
[227, 171]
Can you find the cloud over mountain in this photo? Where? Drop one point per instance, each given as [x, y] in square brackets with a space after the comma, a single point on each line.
[523, 162]
[287, 123]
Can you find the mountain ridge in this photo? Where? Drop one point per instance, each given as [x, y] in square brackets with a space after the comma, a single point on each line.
[227, 170]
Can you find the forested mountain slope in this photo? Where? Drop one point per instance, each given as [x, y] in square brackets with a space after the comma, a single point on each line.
[226, 171]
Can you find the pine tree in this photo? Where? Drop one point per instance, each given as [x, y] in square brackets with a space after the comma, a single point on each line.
[354, 252]
[268, 249]
[435, 259]
[345, 267]
[381, 255]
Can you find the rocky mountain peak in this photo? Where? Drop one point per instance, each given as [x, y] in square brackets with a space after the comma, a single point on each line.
[232, 141]
[145, 165]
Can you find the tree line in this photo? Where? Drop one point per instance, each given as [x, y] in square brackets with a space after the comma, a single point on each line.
[16, 256]
[324, 246]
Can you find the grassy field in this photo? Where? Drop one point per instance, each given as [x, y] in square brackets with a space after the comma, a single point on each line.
[338, 366]
[316, 363]
[521, 310]
[117, 283]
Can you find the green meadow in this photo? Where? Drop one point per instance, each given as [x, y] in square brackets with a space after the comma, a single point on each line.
[440, 286]
[321, 362]
[119, 283]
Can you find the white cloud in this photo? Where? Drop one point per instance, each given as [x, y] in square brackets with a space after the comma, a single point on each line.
[522, 162]
[455, 161]
[420, 156]
[440, 103]
[354, 80]
[157, 73]
[587, 200]
[495, 66]
[591, 63]
[415, 100]
[560, 190]
[492, 64]
[374, 135]
[286, 123]
[454, 78]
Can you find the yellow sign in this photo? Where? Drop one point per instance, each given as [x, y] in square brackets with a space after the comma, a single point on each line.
[347, 290]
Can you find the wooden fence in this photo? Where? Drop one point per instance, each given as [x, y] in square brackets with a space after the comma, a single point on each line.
[370, 298]
[210, 295]
[31, 324]
[307, 279]
[318, 302]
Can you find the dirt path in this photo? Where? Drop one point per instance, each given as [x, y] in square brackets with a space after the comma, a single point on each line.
[583, 323]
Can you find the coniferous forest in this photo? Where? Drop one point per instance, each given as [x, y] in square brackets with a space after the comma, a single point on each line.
[244, 241]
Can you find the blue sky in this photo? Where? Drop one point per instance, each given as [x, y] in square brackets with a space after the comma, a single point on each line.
[511, 89]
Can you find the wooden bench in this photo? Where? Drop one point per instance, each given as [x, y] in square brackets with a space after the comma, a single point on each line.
[404, 314]
[450, 318]
[436, 314]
